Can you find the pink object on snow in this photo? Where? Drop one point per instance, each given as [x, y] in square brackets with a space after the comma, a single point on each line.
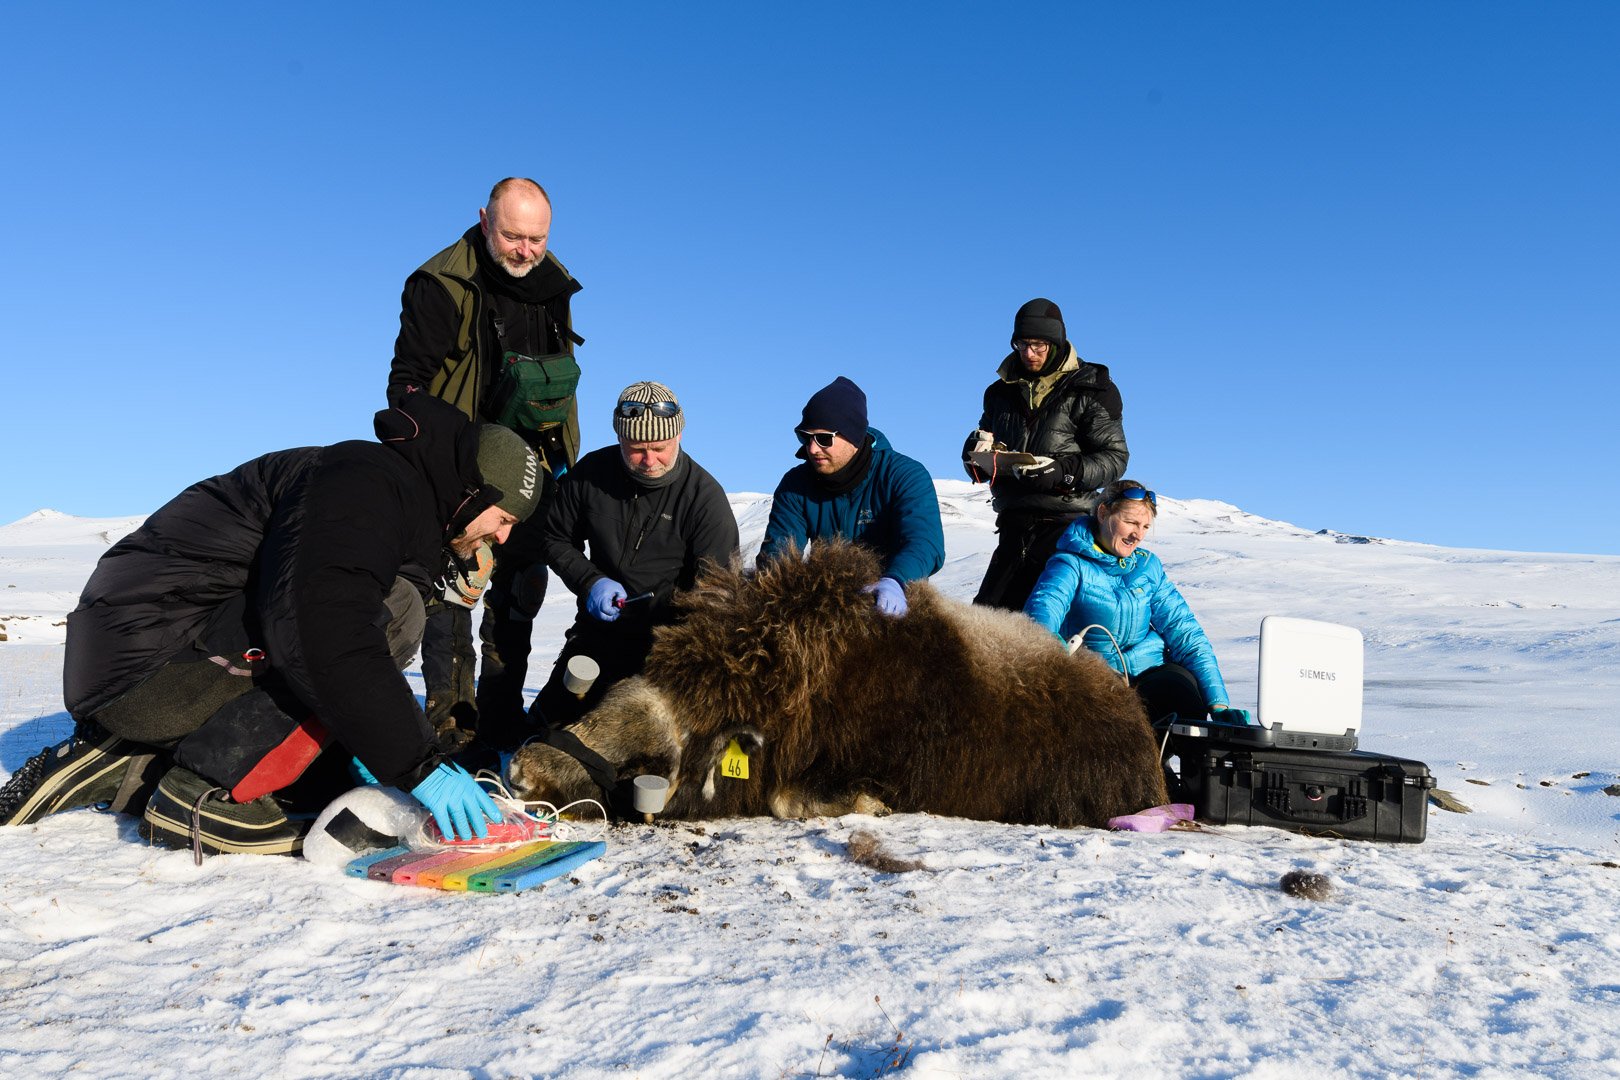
[1154, 819]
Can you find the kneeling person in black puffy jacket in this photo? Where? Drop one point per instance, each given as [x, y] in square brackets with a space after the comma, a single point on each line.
[266, 615]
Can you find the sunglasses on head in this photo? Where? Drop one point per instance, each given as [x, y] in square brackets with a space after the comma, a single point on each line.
[1137, 494]
[823, 439]
[632, 409]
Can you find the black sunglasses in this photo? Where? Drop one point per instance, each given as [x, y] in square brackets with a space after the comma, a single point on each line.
[632, 409]
[823, 439]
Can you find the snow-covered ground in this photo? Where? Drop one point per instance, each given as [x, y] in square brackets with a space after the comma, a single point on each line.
[757, 948]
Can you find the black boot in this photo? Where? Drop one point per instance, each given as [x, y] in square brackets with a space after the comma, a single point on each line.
[188, 811]
[92, 767]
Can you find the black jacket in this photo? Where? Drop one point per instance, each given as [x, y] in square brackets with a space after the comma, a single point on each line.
[461, 312]
[1072, 415]
[647, 539]
[292, 552]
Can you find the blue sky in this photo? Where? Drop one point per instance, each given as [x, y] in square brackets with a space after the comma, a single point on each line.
[1352, 266]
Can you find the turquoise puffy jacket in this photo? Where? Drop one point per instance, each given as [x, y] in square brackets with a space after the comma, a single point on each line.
[1133, 599]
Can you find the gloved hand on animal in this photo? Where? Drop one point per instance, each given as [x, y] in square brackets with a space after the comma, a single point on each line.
[889, 596]
[460, 805]
[603, 599]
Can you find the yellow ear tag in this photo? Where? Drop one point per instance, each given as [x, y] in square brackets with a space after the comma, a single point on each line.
[734, 763]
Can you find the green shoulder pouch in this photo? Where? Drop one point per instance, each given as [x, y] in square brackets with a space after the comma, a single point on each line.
[534, 392]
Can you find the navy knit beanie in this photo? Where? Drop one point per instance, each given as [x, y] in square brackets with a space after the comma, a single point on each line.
[1040, 318]
[839, 406]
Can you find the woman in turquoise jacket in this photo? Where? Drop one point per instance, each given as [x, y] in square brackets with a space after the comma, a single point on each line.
[1103, 585]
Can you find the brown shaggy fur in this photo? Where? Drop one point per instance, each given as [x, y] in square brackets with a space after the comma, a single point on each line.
[953, 709]
[867, 849]
[1307, 885]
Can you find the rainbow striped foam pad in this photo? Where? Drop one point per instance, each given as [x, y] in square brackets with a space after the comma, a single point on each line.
[500, 870]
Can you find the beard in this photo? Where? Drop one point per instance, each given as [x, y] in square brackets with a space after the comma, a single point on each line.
[649, 472]
[511, 263]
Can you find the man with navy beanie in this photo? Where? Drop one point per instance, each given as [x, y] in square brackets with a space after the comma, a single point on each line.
[854, 485]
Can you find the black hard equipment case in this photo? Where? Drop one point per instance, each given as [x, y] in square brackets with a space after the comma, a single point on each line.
[1246, 775]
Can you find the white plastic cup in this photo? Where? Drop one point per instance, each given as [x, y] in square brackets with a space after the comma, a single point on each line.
[649, 794]
[580, 674]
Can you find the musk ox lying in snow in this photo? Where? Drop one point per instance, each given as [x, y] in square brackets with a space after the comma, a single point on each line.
[953, 709]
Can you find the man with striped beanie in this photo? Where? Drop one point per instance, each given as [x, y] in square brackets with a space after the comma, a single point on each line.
[651, 517]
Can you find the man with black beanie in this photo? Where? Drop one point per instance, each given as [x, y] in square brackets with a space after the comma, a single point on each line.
[1050, 435]
[854, 485]
[481, 325]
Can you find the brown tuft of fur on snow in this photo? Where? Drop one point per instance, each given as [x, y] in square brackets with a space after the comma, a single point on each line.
[866, 849]
[1307, 885]
[953, 709]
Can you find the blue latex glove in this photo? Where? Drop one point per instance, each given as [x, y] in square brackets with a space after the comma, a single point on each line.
[360, 773]
[889, 595]
[599, 601]
[1224, 715]
[459, 804]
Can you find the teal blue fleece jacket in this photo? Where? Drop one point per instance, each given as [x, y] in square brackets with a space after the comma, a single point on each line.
[1132, 598]
[893, 511]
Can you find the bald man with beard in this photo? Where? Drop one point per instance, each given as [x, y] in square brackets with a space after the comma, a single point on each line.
[496, 293]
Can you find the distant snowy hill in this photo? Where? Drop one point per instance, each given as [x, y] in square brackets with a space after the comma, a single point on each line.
[44, 559]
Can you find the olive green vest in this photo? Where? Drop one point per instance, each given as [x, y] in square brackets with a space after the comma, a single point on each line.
[460, 381]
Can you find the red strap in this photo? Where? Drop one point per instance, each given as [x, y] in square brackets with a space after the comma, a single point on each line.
[284, 764]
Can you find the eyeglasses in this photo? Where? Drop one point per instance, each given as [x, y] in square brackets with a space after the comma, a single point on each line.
[632, 409]
[823, 439]
[1032, 345]
[1138, 495]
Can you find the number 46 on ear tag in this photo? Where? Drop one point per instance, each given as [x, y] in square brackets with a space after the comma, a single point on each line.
[734, 763]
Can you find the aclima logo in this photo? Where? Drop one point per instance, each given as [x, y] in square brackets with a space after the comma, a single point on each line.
[1313, 673]
[531, 473]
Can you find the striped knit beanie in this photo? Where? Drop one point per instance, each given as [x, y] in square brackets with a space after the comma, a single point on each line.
[647, 425]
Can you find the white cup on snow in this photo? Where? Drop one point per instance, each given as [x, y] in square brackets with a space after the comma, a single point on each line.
[649, 793]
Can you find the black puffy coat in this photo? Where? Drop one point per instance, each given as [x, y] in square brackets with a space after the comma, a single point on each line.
[648, 539]
[1072, 415]
[293, 552]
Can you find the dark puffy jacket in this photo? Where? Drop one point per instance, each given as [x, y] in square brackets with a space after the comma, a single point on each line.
[893, 510]
[647, 539]
[1072, 415]
[312, 539]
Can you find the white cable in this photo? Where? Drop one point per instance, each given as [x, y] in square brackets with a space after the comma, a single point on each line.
[1078, 640]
